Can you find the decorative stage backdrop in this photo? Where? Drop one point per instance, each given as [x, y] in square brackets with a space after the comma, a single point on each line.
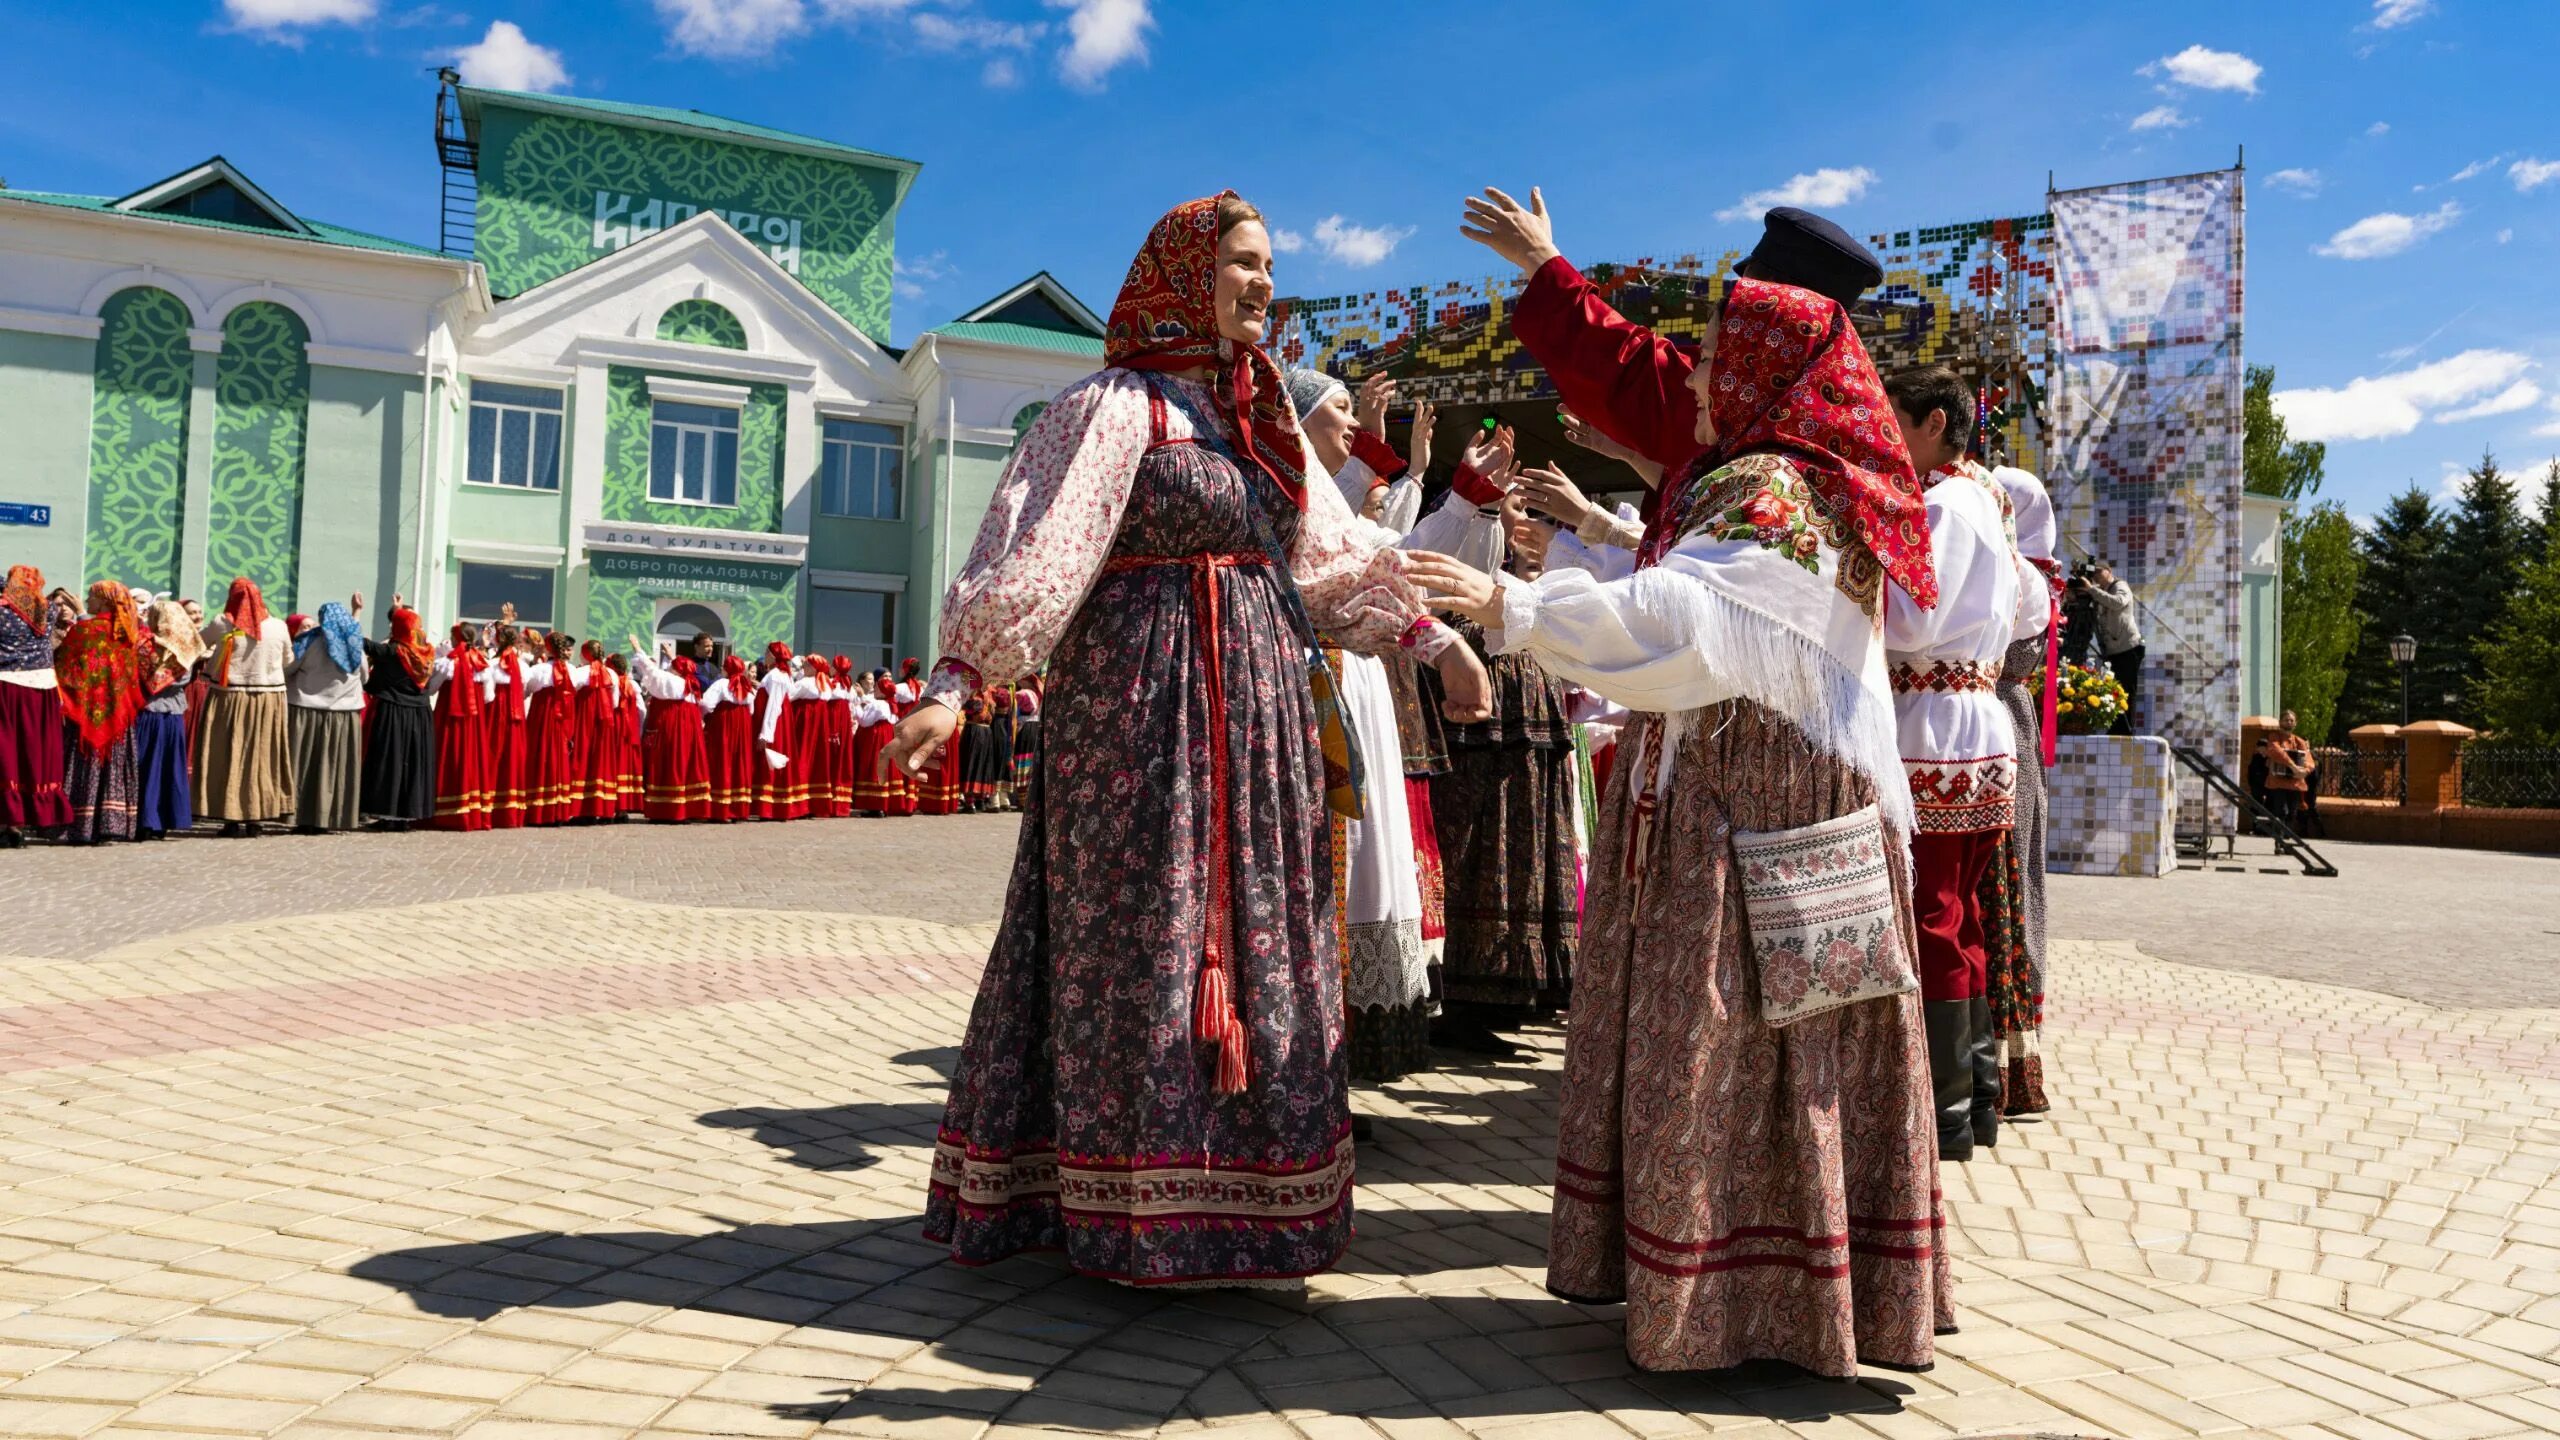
[2103, 337]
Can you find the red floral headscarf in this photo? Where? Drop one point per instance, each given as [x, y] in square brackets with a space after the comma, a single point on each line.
[462, 689]
[1790, 378]
[1167, 319]
[99, 668]
[409, 640]
[25, 594]
[246, 608]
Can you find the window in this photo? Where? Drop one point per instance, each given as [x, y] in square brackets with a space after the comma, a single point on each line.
[862, 470]
[487, 589]
[693, 454]
[859, 623]
[515, 436]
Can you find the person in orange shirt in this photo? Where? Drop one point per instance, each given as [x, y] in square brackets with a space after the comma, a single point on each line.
[2289, 766]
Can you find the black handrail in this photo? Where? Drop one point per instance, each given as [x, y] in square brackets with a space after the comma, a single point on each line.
[2219, 781]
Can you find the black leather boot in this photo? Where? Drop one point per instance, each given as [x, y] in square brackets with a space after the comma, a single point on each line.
[1950, 1025]
[1986, 1075]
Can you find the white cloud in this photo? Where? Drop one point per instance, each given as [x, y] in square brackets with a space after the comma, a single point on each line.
[1102, 35]
[1286, 241]
[2389, 14]
[2530, 173]
[731, 29]
[933, 265]
[1825, 187]
[505, 60]
[2506, 235]
[971, 32]
[2474, 170]
[2161, 117]
[1000, 74]
[2522, 395]
[277, 19]
[2389, 233]
[2202, 69]
[2298, 182]
[2380, 407]
[2550, 427]
[2377, 129]
[1358, 246]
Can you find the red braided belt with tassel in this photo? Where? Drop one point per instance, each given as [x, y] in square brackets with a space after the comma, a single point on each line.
[1214, 1014]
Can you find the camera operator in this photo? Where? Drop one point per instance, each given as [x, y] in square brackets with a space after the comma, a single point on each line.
[2079, 616]
[2119, 635]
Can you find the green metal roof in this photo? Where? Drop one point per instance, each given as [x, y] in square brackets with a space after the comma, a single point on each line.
[693, 121]
[1027, 337]
[322, 232]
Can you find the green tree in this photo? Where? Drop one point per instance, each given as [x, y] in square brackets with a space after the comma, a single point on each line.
[2404, 589]
[2520, 658]
[2488, 554]
[2322, 564]
[2537, 531]
[2271, 463]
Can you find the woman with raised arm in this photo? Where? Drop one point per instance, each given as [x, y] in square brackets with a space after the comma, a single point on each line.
[1152, 1078]
[1746, 1153]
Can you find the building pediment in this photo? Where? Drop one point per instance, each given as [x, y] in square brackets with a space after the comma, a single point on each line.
[620, 299]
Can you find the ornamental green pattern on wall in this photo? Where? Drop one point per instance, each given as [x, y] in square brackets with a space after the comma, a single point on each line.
[626, 460]
[557, 193]
[262, 406]
[138, 439]
[703, 322]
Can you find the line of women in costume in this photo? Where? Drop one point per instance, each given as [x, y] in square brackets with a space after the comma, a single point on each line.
[1214, 926]
[121, 721]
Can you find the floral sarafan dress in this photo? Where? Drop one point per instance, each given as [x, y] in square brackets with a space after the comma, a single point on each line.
[1128, 550]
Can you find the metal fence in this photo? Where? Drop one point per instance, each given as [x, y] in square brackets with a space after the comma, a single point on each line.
[2347, 773]
[2511, 777]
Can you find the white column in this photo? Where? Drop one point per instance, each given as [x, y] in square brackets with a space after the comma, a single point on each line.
[195, 525]
[799, 476]
[585, 500]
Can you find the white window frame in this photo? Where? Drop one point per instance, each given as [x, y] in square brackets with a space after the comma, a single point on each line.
[896, 449]
[710, 434]
[534, 416]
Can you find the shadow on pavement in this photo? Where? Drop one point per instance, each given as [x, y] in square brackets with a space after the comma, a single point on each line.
[837, 1137]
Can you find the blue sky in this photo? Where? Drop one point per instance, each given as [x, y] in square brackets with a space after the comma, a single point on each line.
[2404, 155]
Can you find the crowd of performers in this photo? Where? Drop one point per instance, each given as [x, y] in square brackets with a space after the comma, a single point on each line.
[1290, 828]
[132, 718]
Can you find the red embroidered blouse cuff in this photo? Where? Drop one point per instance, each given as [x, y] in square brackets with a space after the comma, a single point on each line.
[1371, 449]
[1473, 487]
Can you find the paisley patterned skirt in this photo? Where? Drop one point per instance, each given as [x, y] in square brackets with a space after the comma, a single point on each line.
[1750, 1193]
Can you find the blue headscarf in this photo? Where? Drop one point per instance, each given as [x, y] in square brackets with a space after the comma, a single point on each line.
[346, 642]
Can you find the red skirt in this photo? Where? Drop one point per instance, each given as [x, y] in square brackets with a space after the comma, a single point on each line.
[1426, 859]
[840, 759]
[782, 794]
[629, 745]
[872, 793]
[729, 760]
[599, 779]
[551, 758]
[464, 798]
[31, 759]
[510, 774]
[679, 777]
[940, 792]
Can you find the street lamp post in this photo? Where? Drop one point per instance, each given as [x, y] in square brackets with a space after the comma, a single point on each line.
[2404, 653]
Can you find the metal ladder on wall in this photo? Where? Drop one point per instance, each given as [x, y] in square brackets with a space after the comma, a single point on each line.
[2219, 782]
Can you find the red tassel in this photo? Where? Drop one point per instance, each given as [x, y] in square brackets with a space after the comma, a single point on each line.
[1214, 1019]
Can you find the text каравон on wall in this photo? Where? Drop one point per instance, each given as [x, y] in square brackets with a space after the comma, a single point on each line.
[627, 219]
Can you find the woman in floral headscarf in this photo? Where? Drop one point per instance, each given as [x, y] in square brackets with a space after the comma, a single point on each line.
[99, 670]
[31, 760]
[244, 773]
[167, 799]
[1745, 1152]
[1153, 1077]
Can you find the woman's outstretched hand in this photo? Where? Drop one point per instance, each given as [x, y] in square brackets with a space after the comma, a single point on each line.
[917, 740]
[1525, 237]
[1456, 586]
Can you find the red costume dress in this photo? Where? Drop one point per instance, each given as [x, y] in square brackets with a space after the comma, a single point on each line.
[873, 792]
[729, 741]
[466, 701]
[600, 726]
[679, 778]
[782, 790]
[552, 749]
[510, 771]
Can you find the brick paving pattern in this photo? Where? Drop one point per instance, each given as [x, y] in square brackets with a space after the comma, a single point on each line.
[565, 1151]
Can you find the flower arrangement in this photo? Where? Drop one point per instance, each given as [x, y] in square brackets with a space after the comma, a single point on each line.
[2091, 700]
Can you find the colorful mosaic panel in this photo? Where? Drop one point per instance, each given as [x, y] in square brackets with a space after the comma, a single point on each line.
[138, 440]
[626, 460]
[2110, 806]
[1976, 295]
[703, 322]
[262, 405]
[2147, 426]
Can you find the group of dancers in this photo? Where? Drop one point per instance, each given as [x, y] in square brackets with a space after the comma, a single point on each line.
[1797, 937]
[134, 718]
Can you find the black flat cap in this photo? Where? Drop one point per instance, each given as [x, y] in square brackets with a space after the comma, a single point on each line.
[1802, 249]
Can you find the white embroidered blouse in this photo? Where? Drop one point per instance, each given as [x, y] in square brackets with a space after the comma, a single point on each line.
[1056, 511]
[1958, 747]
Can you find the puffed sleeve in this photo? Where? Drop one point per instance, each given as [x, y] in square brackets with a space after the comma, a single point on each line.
[1046, 532]
[1351, 574]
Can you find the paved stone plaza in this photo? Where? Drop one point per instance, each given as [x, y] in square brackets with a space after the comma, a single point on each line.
[594, 1134]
